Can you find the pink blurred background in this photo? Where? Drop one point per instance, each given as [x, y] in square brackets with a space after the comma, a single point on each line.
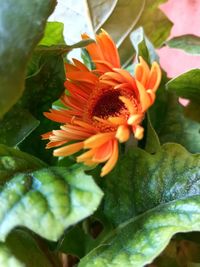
[185, 14]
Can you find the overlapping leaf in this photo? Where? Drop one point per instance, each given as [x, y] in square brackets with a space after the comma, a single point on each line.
[46, 200]
[13, 253]
[17, 44]
[164, 189]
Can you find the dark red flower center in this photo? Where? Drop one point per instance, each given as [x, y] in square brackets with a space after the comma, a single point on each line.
[108, 105]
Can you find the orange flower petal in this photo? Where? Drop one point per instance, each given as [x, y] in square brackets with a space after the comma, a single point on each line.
[98, 140]
[68, 150]
[154, 77]
[145, 100]
[122, 133]
[110, 164]
[103, 152]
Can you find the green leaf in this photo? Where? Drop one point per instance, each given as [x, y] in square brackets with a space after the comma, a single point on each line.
[129, 13]
[154, 197]
[53, 34]
[13, 161]
[152, 143]
[99, 11]
[142, 181]
[186, 85]
[143, 46]
[16, 125]
[175, 127]
[47, 201]
[42, 89]
[13, 252]
[189, 43]
[17, 44]
[156, 27]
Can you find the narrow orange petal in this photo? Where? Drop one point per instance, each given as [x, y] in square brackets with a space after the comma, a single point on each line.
[127, 77]
[80, 65]
[112, 161]
[68, 150]
[154, 77]
[135, 119]
[129, 105]
[85, 156]
[145, 99]
[98, 140]
[117, 120]
[122, 133]
[103, 152]
[82, 76]
[108, 48]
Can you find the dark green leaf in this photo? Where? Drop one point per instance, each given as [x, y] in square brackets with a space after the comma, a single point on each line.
[152, 143]
[13, 161]
[189, 43]
[47, 201]
[175, 127]
[186, 85]
[22, 249]
[16, 125]
[22, 24]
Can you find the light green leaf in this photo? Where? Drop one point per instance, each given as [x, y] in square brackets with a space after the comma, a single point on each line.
[189, 43]
[129, 13]
[155, 196]
[186, 85]
[22, 23]
[16, 125]
[47, 201]
[99, 11]
[53, 34]
[22, 249]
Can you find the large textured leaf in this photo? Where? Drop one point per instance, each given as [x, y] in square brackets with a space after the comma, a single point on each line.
[129, 13]
[47, 201]
[189, 43]
[163, 189]
[140, 240]
[23, 250]
[186, 85]
[99, 11]
[22, 24]
[156, 26]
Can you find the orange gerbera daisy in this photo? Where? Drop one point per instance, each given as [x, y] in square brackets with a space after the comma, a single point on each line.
[104, 106]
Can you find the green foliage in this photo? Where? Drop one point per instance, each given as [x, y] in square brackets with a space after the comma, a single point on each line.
[148, 198]
[151, 198]
[13, 252]
[17, 44]
[47, 200]
[186, 85]
[189, 43]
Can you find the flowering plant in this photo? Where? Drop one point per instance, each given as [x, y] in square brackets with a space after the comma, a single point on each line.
[99, 159]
